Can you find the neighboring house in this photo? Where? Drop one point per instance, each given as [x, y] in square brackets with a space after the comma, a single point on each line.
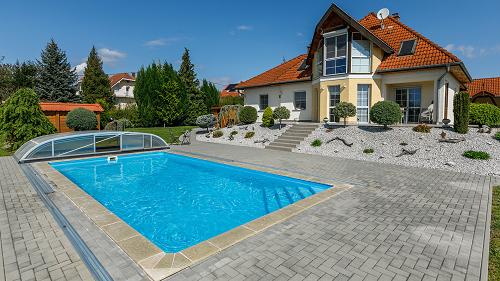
[56, 112]
[122, 87]
[485, 90]
[362, 62]
[230, 91]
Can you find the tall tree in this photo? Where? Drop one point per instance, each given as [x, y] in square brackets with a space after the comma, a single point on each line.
[169, 102]
[195, 101]
[210, 93]
[95, 83]
[6, 81]
[25, 75]
[57, 80]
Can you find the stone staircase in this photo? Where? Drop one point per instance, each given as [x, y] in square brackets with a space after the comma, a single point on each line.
[292, 137]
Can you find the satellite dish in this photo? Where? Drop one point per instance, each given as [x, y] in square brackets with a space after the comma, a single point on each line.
[383, 14]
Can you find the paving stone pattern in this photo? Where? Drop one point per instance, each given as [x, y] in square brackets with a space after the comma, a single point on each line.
[33, 246]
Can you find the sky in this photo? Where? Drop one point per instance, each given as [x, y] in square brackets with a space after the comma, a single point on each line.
[229, 41]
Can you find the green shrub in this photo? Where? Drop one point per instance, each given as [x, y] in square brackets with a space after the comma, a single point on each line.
[248, 115]
[484, 114]
[130, 112]
[217, 134]
[281, 113]
[316, 143]
[480, 155]
[385, 113]
[21, 119]
[233, 133]
[229, 100]
[267, 118]
[344, 110]
[249, 135]
[118, 125]
[422, 128]
[206, 121]
[497, 136]
[461, 104]
[81, 119]
[368, 150]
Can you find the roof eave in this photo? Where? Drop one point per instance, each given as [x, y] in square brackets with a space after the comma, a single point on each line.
[274, 83]
[461, 64]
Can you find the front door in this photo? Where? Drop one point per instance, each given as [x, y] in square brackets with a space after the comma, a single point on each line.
[362, 110]
[409, 99]
[334, 100]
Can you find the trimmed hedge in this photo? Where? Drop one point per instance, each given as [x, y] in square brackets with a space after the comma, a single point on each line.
[267, 118]
[81, 119]
[461, 104]
[385, 113]
[484, 114]
[248, 115]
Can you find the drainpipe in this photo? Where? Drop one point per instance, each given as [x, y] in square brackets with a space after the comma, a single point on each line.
[436, 102]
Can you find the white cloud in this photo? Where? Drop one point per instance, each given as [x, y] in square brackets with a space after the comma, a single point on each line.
[300, 34]
[244, 27]
[471, 52]
[161, 42]
[79, 69]
[110, 56]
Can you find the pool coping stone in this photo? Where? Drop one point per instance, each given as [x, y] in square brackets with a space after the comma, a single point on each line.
[154, 261]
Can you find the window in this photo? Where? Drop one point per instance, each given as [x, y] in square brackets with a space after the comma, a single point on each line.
[263, 102]
[362, 110]
[409, 99]
[407, 47]
[361, 54]
[336, 54]
[334, 100]
[300, 100]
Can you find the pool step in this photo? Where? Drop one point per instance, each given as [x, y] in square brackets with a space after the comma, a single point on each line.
[292, 137]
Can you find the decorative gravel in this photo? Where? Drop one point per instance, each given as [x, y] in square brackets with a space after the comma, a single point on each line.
[389, 143]
[261, 133]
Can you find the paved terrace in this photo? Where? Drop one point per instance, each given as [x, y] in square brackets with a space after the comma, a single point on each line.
[396, 223]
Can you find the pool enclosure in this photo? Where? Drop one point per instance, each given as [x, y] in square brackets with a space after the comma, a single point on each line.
[86, 143]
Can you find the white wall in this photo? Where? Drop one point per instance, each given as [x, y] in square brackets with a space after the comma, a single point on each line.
[252, 98]
[453, 89]
[123, 97]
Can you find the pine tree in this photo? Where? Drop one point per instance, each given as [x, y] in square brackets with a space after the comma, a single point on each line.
[95, 83]
[56, 80]
[169, 102]
[211, 94]
[195, 101]
[24, 75]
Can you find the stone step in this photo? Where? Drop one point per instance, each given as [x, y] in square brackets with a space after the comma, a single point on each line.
[294, 130]
[284, 144]
[305, 126]
[277, 147]
[286, 140]
[297, 135]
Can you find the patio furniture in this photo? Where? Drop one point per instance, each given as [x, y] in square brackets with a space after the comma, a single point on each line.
[426, 115]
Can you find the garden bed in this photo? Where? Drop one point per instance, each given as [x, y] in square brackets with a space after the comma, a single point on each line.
[260, 133]
[428, 151]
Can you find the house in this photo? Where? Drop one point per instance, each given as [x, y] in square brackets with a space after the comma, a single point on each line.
[362, 62]
[230, 91]
[485, 90]
[56, 112]
[122, 87]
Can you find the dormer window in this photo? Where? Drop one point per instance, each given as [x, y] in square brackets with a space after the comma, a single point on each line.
[407, 47]
[335, 53]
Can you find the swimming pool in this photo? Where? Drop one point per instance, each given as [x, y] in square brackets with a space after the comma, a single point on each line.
[177, 201]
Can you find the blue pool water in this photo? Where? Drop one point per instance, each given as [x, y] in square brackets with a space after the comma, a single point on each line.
[177, 201]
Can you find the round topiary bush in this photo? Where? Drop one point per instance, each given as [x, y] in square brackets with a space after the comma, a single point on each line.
[248, 115]
[206, 121]
[81, 119]
[344, 110]
[267, 118]
[281, 113]
[385, 113]
[479, 155]
[484, 114]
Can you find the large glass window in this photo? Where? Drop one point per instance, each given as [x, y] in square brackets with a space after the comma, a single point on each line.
[334, 100]
[336, 54]
[263, 102]
[361, 54]
[409, 99]
[362, 110]
[300, 100]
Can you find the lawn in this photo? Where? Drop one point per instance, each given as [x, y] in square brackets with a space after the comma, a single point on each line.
[494, 264]
[169, 134]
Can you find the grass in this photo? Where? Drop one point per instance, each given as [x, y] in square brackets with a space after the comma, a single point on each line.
[169, 134]
[3, 151]
[494, 263]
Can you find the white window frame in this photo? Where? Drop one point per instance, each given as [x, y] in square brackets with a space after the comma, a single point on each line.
[330, 106]
[369, 58]
[336, 33]
[295, 99]
[260, 105]
[368, 98]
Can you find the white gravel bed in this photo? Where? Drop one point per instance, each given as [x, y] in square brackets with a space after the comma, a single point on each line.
[261, 133]
[388, 143]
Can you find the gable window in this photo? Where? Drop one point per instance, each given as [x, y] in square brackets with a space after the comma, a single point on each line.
[361, 54]
[407, 47]
[335, 54]
[300, 100]
[263, 102]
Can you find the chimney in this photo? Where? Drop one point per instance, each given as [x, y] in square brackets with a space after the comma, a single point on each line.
[396, 16]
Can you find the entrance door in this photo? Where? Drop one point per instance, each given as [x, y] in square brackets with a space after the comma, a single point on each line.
[410, 100]
[362, 110]
[334, 100]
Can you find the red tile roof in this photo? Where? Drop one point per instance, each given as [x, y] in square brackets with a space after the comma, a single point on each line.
[289, 71]
[113, 79]
[230, 91]
[485, 85]
[426, 53]
[62, 106]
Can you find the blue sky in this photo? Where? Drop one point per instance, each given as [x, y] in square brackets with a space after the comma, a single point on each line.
[229, 40]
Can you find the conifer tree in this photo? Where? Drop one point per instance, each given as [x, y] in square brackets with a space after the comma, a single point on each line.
[210, 93]
[169, 102]
[195, 101]
[56, 80]
[95, 83]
